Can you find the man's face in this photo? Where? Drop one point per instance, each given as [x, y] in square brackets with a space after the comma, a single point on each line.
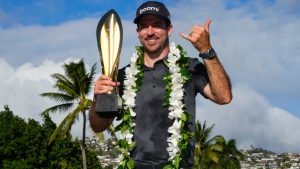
[153, 33]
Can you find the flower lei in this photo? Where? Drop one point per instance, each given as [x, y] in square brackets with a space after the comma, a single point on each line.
[178, 75]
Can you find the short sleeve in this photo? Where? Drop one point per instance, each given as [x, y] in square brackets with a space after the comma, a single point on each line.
[199, 75]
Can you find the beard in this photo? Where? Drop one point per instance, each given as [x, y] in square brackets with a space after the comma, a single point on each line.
[154, 46]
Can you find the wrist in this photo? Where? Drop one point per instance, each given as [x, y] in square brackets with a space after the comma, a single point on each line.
[208, 54]
[204, 48]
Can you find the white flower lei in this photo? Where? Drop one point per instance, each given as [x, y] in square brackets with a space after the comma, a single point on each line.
[175, 92]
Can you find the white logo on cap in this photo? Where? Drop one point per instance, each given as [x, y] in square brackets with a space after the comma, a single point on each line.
[149, 8]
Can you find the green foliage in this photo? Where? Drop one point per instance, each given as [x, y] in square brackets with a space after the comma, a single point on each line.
[23, 144]
[140, 64]
[215, 152]
[72, 89]
[127, 163]
[230, 156]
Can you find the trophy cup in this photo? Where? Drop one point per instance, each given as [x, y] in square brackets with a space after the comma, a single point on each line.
[109, 40]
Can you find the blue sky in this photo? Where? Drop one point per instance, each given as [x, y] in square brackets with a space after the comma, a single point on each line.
[257, 42]
[52, 12]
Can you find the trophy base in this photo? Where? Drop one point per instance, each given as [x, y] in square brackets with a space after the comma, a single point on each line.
[107, 105]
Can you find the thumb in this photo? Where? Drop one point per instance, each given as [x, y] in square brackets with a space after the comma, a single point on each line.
[207, 24]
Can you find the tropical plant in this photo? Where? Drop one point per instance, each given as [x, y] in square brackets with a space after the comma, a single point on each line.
[24, 144]
[73, 88]
[214, 152]
[205, 151]
[230, 156]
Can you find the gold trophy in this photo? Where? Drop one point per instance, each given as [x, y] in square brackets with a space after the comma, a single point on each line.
[109, 39]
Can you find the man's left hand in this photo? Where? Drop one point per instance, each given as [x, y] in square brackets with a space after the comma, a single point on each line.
[199, 36]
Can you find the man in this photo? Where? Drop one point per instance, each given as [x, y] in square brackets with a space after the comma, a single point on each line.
[151, 121]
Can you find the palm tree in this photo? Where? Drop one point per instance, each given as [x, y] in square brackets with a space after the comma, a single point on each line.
[72, 90]
[214, 152]
[230, 156]
[205, 153]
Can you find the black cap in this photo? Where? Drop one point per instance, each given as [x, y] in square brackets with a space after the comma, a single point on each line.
[153, 8]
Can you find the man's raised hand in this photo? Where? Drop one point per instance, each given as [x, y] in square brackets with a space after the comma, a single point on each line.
[199, 36]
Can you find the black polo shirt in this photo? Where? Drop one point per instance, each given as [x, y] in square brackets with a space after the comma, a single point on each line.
[152, 122]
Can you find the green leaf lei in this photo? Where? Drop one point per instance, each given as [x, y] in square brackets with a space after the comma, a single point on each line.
[178, 75]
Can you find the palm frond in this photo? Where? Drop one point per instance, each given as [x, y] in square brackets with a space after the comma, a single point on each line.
[202, 133]
[73, 85]
[74, 116]
[60, 97]
[75, 71]
[213, 155]
[65, 126]
[58, 129]
[64, 85]
[61, 78]
[81, 80]
[84, 80]
[67, 90]
[75, 68]
[89, 80]
[61, 107]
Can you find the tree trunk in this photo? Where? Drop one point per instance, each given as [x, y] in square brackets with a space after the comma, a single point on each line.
[83, 147]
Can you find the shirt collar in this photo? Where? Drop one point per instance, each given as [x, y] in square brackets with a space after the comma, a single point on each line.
[158, 64]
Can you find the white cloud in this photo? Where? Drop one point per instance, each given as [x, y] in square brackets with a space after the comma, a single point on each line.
[76, 39]
[29, 55]
[256, 45]
[252, 120]
[20, 89]
[38, 43]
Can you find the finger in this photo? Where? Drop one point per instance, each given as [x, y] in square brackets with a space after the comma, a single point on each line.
[100, 88]
[103, 84]
[115, 84]
[207, 24]
[185, 36]
[101, 91]
[104, 77]
[106, 82]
